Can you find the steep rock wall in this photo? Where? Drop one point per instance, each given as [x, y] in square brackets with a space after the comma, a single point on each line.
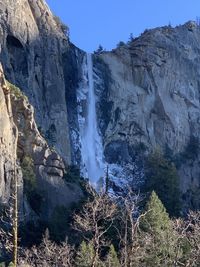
[26, 157]
[147, 91]
[33, 49]
[37, 57]
[8, 143]
[50, 189]
[152, 97]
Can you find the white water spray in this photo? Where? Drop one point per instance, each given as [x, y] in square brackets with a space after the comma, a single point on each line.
[91, 143]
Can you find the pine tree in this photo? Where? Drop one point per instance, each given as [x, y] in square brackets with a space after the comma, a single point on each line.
[120, 44]
[158, 230]
[85, 255]
[100, 49]
[107, 180]
[156, 219]
[112, 259]
[162, 177]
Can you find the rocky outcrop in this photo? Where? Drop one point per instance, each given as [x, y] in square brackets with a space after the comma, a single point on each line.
[26, 156]
[34, 51]
[8, 143]
[147, 96]
[50, 190]
[37, 57]
[152, 97]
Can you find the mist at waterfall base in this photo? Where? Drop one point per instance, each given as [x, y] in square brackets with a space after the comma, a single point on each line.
[91, 143]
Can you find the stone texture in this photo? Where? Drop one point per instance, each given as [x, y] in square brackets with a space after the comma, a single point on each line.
[8, 143]
[148, 93]
[33, 45]
[154, 94]
[48, 165]
[20, 138]
[37, 57]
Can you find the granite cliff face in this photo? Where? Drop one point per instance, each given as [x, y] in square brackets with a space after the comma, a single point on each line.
[152, 98]
[26, 157]
[155, 87]
[33, 52]
[47, 190]
[37, 57]
[8, 143]
[147, 95]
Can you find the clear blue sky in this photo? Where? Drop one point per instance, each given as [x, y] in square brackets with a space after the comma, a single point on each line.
[107, 22]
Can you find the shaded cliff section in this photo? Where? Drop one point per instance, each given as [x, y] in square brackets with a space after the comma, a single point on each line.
[38, 58]
[8, 144]
[153, 99]
[25, 157]
[147, 90]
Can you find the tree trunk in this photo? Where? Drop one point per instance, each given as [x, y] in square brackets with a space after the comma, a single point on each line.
[15, 219]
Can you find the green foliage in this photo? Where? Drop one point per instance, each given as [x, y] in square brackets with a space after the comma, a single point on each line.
[162, 177]
[156, 223]
[61, 25]
[99, 50]
[120, 44]
[156, 218]
[150, 240]
[28, 173]
[190, 152]
[112, 259]
[85, 255]
[192, 148]
[30, 186]
[131, 38]
[72, 174]
[16, 91]
[58, 223]
[185, 248]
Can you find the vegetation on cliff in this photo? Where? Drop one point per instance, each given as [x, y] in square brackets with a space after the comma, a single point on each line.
[162, 177]
[16, 91]
[108, 231]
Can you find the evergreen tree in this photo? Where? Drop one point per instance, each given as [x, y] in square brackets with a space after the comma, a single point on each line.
[162, 177]
[85, 255]
[100, 49]
[156, 218]
[131, 38]
[107, 180]
[120, 44]
[112, 259]
[158, 230]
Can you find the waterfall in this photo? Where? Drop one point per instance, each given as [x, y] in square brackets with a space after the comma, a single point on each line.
[91, 143]
[89, 139]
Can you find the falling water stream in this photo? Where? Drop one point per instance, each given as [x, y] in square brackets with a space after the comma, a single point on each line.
[91, 143]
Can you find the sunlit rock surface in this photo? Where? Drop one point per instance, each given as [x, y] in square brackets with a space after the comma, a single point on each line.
[152, 97]
[146, 92]
[33, 46]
